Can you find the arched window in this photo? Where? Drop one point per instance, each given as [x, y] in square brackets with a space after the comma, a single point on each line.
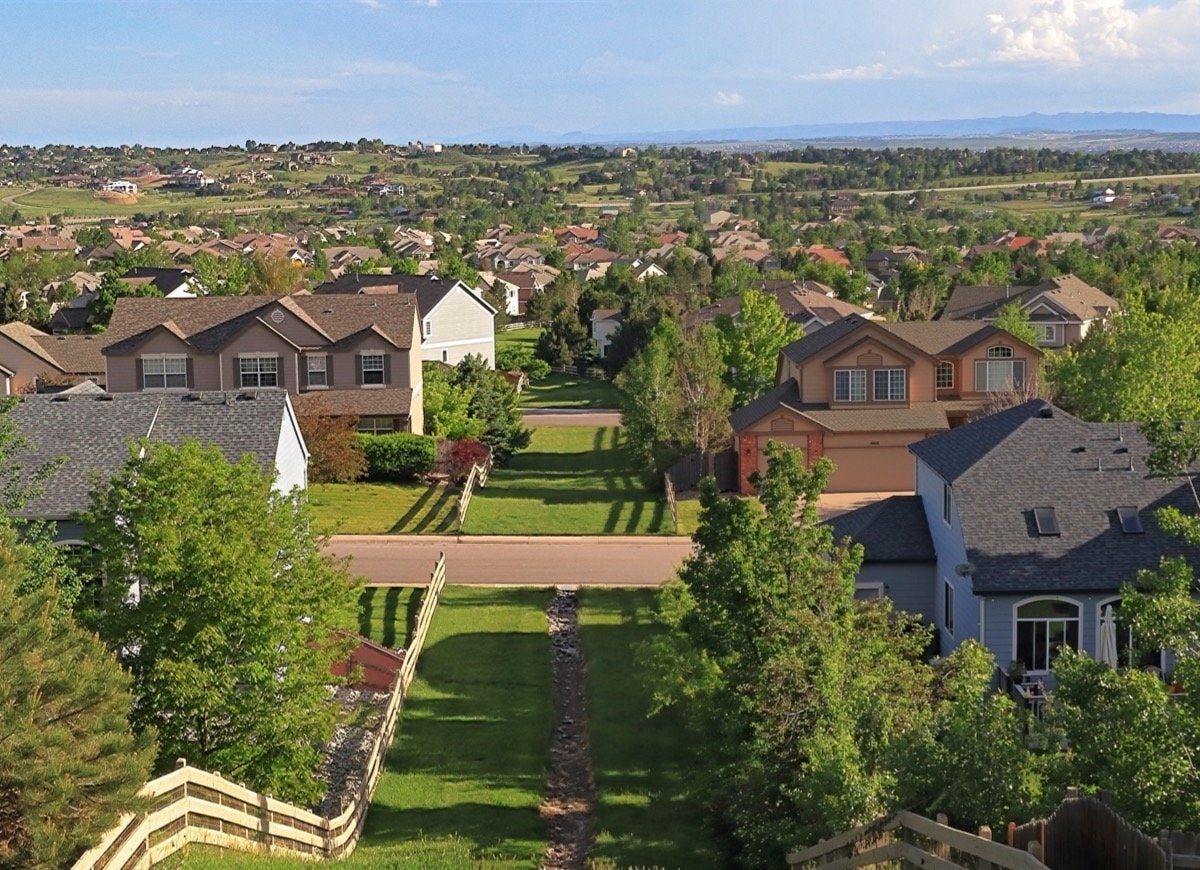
[999, 372]
[1043, 626]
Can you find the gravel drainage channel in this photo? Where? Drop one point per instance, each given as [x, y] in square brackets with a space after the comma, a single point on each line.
[570, 789]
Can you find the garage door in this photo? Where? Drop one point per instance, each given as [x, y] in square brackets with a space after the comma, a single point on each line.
[872, 469]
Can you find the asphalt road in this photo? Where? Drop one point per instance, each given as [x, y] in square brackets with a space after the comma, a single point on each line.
[395, 560]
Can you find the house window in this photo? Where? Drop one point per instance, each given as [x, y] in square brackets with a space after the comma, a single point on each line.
[889, 385]
[1128, 651]
[946, 502]
[259, 371]
[999, 372]
[164, 373]
[944, 379]
[376, 425]
[948, 606]
[372, 369]
[868, 591]
[1044, 626]
[1047, 333]
[318, 371]
[850, 385]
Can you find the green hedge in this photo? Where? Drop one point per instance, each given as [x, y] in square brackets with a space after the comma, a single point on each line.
[399, 456]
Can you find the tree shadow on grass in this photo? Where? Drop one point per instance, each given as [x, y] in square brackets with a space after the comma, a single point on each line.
[414, 510]
[439, 515]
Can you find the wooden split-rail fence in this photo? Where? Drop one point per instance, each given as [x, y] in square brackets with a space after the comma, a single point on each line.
[190, 805]
[478, 477]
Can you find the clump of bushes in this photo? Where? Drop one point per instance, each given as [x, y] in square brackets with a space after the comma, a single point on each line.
[400, 456]
[455, 458]
[519, 358]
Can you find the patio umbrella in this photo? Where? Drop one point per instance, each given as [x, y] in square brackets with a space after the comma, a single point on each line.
[1106, 643]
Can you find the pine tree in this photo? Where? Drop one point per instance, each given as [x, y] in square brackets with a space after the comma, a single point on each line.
[69, 764]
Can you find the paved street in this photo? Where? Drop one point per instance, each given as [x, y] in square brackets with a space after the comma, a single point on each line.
[539, 561]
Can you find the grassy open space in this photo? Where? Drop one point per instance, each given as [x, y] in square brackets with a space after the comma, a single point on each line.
[383, 508]
[465, 776]
[518, 338]
[572, 480]
[571, 391]
[645, 814]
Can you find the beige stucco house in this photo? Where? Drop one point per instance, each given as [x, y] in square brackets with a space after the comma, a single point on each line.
[861, 391]
[359, 354]
[1062, 310]
[32, 361]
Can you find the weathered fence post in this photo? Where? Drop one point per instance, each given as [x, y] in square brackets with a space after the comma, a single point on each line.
[940, 849]
[985, 833]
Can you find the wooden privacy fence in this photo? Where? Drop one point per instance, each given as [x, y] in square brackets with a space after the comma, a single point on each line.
[915, 841]
[189, 805]
[1084, 833]
[1182, 849]
[478, 477]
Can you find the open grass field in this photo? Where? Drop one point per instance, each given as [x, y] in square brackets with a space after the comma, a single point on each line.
[571, 391]
[383, 508]
[465, 776]
[645, 815]
[518, 338]
[572, 480]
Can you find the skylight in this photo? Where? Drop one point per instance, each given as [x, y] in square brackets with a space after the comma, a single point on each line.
[1047, 522]
[1131, 522]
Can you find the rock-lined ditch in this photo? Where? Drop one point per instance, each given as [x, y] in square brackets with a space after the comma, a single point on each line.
[344, 759]
[570, 789]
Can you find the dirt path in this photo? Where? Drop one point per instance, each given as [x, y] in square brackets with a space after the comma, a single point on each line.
[570, 787]
[570, 417]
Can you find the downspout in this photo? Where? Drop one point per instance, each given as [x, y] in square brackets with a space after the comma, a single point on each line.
[981, 613]
[221, 371]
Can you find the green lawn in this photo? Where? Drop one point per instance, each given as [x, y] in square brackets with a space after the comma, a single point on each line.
[518, 338]
[571, 391]
[572, 480]
[465, 776]
[645, 815]
[389, 615]
[383, 508]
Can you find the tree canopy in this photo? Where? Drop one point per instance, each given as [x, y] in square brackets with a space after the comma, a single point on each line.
[751, 343]
[224, 610]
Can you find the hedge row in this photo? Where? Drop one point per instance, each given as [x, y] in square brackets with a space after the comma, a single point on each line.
[398, 456]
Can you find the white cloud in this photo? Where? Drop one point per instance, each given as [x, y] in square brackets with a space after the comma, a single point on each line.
[429, 3]
[398, 69]
[1067, 32]
[730, 98]
[371, 4]
[862, 73]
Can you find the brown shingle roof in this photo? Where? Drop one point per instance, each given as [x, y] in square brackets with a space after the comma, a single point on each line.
[208, 323]
[75, 354]
[395, 401]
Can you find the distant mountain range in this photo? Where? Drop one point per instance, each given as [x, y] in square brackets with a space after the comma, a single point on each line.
[1034, 125]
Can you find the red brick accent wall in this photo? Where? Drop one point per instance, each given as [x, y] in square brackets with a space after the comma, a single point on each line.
[816, 447]
[747, 462]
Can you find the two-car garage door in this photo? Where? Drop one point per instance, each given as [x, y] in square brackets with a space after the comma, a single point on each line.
[872, 469]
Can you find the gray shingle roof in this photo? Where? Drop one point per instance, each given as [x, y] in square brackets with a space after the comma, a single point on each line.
[92, 434]
[891, 530]
[1074, 296]
[428, 290]
[1035, 455]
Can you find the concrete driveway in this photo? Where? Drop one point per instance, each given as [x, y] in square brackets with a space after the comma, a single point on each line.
[407, 560]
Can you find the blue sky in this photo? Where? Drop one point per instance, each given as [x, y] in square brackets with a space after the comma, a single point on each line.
[164, 72]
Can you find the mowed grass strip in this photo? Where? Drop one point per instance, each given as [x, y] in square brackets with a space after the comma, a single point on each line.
[645, 814]
[465, 775]
[383, 508]
[571, 480]
[571, 391]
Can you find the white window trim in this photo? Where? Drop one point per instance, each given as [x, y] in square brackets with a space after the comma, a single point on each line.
[948, 605]
[308, 385]
[1019, 604]
[888, 398]
[850, 384]
[261, 355]
[362, 370]
[164, 389]
[949, 365]
[875, 587]
[428, 328]
[1052, 338]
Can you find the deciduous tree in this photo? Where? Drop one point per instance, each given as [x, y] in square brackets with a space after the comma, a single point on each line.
[224, 610]
[751, 343]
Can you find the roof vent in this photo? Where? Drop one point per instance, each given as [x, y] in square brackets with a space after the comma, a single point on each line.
[107, 397]
[60, 399]
[1046, 412]
[1080, 449]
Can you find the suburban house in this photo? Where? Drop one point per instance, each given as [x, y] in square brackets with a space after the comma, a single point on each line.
[360, 354]
[861, 391]
[1062, 310]
[86, 437]
[455, 319]
[171, 283]
[604, 323]
[1024, 526]
[32, 361]
[810, 304]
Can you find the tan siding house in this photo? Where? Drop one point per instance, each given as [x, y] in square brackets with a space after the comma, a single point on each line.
[861, 391]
